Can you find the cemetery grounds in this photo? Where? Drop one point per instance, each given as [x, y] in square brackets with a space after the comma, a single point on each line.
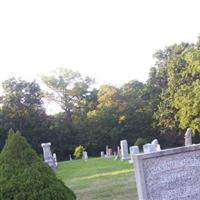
[99, 179]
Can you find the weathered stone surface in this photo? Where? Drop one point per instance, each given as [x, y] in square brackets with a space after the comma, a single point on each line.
[172, 174]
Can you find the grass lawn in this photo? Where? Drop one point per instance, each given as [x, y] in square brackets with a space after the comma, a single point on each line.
[99, 179]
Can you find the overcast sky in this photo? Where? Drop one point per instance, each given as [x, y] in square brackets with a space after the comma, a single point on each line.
[109, 40]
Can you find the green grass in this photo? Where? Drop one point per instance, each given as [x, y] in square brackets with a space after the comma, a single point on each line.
[99, 179]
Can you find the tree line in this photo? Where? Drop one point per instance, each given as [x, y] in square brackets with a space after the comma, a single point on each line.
[162, 107]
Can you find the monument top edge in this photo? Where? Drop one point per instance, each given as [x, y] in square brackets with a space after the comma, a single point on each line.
[46, 144]
[165, 152]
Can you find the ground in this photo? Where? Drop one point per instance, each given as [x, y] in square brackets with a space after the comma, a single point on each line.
[99, 179]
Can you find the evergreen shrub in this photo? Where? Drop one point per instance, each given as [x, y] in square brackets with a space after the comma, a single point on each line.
[24, 176]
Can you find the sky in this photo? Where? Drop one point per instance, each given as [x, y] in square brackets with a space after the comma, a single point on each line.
[110, 40]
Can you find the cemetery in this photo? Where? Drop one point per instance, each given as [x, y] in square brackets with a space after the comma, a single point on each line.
[150, 174]
[99, 100]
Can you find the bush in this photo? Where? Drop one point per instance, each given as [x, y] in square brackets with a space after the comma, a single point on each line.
[140, 142]
[24, 176]
[78, 153]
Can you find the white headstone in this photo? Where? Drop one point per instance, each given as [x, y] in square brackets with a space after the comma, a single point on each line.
[48, 158]
[124, 150]
[70, 157]
[155, 143]
[148, 148]
[102, 153]
[85, 155]
[188, 137]
[118, 153]
[55, 159]
[133, 150]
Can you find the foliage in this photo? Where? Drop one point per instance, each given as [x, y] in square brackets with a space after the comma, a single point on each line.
[69, 90]
[22, 109]
[180, 99]
[140, 142]
[78, 153]
[24, 176]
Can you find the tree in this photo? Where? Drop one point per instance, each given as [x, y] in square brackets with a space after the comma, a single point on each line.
[187, 96]
[173, 64]
[69, 90]
[22, 109]
[24, 176]
[179, 100]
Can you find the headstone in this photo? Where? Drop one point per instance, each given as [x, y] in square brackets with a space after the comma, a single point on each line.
[155, 143]
[124, 150]
[85, 155]
[70, 157]
[102, 153]
[107, 151]
[188, 137]
[55, 159]
[133, 150]
[118, 153]
[172, 174]
[48, 158]
[148, 148]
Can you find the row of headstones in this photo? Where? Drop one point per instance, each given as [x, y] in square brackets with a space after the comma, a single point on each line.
[147, 148]
[122, 153]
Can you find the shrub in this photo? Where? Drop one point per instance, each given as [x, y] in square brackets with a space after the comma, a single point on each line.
[24, 176]
[78, 153]
[140, 142]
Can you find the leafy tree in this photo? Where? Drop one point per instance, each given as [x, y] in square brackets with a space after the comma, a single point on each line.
[178, 108]
[22, 109]
[69, 90]
[24, 176]
[173, 64]
[187, 96]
